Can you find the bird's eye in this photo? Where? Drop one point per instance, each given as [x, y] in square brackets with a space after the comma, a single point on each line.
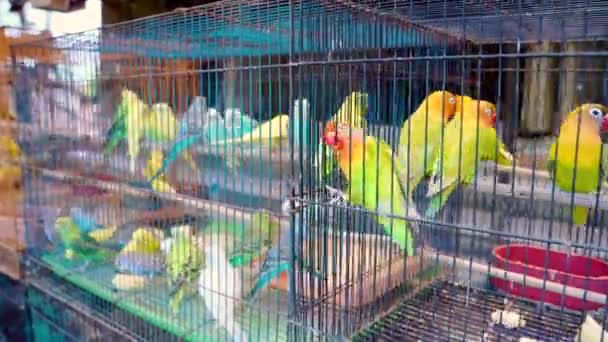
[489, 112]
[452, 100]
[596, 112]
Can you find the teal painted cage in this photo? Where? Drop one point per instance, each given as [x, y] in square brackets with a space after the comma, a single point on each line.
[182, 182]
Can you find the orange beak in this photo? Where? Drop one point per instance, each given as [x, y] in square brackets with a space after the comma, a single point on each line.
[494, 120]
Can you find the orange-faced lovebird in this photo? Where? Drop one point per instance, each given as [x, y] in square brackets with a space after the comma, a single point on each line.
[373, 183]
[469, 139]
[420, 138]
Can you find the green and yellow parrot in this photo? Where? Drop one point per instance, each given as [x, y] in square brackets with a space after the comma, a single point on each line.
[161, 125]
[154, 164]
[352, 112]
[457, 163]
[78, 245]
[420, 138]
[586, 159]
[128, 124]
[143, 241]
[185, 259]
[358, 154]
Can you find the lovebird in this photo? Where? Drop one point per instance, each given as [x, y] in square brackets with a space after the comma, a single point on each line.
[78, 244]
[128, 124]
[459, 164]
[420, 137]
[358, 154]
[352, 112]
[220, 287]
[153, 165]
[564, 156]
[184, 263]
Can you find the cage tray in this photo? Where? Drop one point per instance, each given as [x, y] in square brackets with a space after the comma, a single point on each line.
[151, 304]
[444, 311]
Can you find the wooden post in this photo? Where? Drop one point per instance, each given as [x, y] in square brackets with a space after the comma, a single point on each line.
[539, 92]
[580, 77]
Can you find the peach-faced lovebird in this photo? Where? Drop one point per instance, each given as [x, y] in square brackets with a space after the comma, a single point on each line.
[578, 147]
[373, 183]
[468, 136]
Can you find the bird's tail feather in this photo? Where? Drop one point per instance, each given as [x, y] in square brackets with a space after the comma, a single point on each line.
[579, 215]
[177, 297]
[439, 200]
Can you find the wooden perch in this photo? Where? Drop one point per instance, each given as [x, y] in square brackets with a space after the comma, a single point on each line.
[188, 202]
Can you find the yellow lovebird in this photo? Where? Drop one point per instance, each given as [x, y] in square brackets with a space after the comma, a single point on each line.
[468, 136]
[420, 138]
[565, 158]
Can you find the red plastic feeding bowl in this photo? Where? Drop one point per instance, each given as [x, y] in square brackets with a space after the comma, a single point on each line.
[583, 272]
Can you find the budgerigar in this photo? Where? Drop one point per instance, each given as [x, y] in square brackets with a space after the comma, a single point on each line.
[362, 156]
[457, 163]
[140, 263]
[352, 112]
[129, 124]
[78, 244]
[154, 164]
[220, 287]
[583, 154]
[161, 125]
[212, 117]
[184, 263]
[420, 137]
[85, 221]
[143, 241]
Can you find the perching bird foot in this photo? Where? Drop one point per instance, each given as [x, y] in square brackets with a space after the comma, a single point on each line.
[336, 195]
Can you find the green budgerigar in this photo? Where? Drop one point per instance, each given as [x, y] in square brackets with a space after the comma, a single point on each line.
[458, 161]
[373, 183]
[128, 123]
[185, 259]
[78, 245]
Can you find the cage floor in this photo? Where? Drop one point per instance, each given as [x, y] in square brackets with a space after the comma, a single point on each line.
[447, 312]
[261, 323]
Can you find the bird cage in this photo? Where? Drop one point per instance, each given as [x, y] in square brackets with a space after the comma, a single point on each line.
[293, 170]
[11, 214]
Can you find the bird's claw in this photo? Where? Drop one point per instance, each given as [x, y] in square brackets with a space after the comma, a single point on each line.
[336, 195]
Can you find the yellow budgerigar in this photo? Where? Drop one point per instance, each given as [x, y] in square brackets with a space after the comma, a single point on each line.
[154, 164]
[143, 241]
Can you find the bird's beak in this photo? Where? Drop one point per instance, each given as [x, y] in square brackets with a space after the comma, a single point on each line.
[330, 137]
[604, 127]
[494, 120]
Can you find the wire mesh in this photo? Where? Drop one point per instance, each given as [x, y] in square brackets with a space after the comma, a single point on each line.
[199, 140]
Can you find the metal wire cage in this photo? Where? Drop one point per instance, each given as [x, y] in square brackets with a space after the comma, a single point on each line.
[229, 179]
